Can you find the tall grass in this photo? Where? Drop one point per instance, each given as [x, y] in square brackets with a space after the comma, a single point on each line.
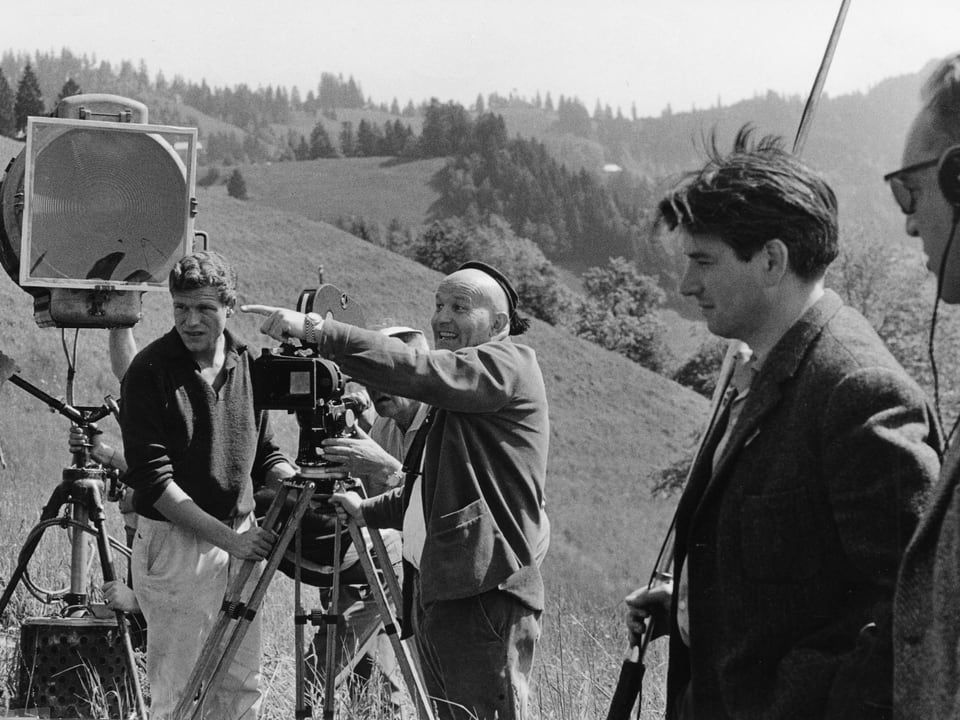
[576, 669]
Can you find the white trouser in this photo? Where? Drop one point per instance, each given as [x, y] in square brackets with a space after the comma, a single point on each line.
[180, 582]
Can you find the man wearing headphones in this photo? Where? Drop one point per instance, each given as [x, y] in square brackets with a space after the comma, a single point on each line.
[926, 611]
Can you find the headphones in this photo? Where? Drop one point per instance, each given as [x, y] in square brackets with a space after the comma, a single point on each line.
[948, 175]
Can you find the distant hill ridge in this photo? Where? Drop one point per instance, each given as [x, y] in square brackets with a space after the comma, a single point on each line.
[854, 138]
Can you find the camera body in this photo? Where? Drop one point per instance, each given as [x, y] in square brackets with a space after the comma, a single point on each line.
[296, 379]
[299, 381]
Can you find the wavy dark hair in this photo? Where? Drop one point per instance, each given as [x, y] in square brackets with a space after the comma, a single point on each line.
[756, 193]
[205, 269]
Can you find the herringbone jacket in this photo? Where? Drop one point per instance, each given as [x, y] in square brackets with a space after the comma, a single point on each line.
[792, 544]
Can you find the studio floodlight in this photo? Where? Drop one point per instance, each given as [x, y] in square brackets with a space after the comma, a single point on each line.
[96, 211]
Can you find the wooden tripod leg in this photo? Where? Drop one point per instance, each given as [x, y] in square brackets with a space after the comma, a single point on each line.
[299, 619]
[411, 676]
[364, 644]
[191, 703]
[382, 560]
[332, 620]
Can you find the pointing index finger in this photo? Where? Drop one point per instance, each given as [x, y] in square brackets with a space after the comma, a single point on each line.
[259, 309]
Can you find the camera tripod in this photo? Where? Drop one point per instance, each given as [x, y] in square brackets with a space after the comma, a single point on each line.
[235, 616]
[80, 490]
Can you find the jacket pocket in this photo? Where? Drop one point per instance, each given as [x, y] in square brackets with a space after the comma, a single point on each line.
[780, 542]
[467, 552]
[459, 520]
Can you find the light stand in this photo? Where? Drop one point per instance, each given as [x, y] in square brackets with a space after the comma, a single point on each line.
[81, 489]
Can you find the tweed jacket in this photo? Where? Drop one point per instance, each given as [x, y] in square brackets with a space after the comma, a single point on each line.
[792, 542]
[926, 624]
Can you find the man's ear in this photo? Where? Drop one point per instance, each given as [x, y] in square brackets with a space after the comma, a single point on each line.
[501, 322]
[775, 257]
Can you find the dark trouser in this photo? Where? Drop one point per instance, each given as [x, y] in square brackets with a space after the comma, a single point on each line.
[684, 710]
[477, 654]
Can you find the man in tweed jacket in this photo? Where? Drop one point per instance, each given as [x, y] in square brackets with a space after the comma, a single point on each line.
[792, 525]
[927, 604]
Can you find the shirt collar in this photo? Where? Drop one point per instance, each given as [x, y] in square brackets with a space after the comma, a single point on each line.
[232, 349]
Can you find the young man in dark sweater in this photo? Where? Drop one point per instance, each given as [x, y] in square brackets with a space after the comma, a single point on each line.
[194, 445]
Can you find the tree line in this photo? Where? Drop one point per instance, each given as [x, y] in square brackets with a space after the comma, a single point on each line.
[494, 186]
[15, 108]
[569, 215]
[619, 308]
[498, 197]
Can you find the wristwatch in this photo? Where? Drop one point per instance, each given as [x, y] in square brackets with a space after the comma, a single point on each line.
[312, 323]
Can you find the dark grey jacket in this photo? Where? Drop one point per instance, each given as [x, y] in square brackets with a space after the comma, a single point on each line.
[792, 545]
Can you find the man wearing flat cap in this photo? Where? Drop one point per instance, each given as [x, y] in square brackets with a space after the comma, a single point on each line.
[471, 510]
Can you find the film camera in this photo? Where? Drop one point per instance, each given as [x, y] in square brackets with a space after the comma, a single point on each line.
[296, 379]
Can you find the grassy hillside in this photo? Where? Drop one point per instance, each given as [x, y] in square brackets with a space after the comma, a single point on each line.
[614, 424]
[376, 189]
[381, 190]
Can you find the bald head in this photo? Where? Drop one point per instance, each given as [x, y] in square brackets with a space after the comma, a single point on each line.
[471, 309]
[482, 283]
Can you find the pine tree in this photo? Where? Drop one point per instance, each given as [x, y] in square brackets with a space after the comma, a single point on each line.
[320, 145]
[69, 88]
[8, 121]
[302, 151]
[347, 141]
[237, 186]
[29, 100]
[369, 139]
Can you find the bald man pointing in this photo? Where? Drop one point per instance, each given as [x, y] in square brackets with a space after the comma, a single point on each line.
[474, 528]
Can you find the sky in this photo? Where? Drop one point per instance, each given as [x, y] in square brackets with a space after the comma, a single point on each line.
[685, 53]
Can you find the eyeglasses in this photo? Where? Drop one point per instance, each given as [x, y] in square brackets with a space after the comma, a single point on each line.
[906, 197]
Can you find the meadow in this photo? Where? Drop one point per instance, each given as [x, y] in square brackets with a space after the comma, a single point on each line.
[614, 427]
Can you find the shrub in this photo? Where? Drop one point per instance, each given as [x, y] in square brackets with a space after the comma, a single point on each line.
[699, 373]
[237, 186]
